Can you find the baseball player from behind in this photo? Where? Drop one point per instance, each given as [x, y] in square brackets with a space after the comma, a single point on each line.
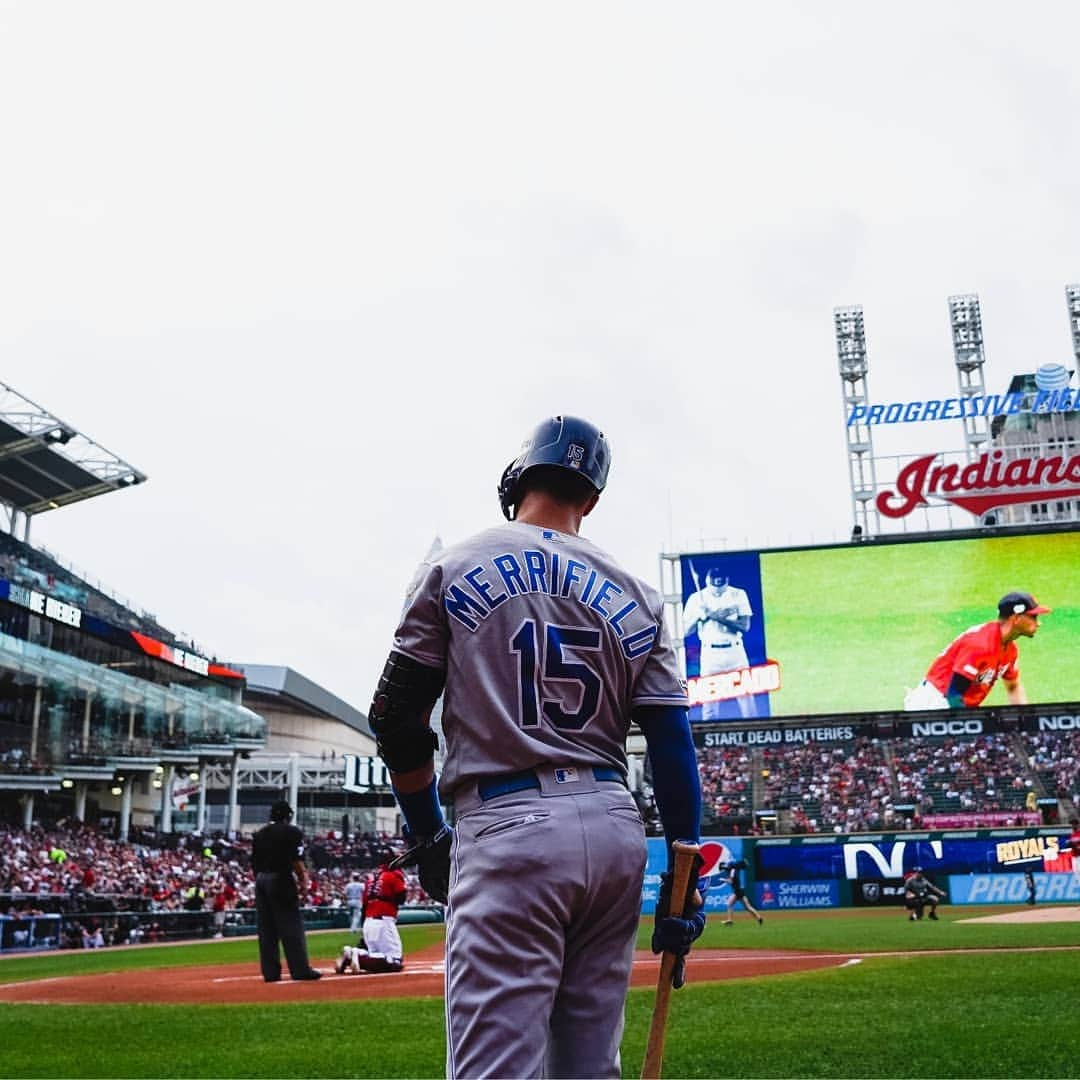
[544, 649]
[965, 673]
[720, 613]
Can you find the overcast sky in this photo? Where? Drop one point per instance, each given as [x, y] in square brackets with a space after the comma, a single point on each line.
[318, 268]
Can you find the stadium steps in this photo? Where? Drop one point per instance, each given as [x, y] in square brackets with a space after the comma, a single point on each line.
[757, 783]
[1024, 755]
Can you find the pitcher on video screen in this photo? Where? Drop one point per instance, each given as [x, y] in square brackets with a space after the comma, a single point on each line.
[964, 674]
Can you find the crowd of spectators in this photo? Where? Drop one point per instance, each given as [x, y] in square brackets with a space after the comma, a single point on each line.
[870, 784]
[727, 783]
[949, 775]
[846, 788]
[1055, 757]
[74, 868]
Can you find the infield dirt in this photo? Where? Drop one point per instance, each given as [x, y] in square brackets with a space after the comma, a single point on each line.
[224, 984]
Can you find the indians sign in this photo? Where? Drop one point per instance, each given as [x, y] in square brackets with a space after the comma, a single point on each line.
[991, 480]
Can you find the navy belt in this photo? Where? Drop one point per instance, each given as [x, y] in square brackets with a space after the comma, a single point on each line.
[721, 644]
[491, 787]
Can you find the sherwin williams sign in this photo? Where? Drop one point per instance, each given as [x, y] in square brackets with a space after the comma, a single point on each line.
[778, 895]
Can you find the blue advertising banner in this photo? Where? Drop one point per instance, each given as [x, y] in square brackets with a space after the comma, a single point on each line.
[892, 859]
[714, 850]
[1012, 888]
[796, 894]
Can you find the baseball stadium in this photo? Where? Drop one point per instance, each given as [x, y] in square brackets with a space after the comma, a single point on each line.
[889, 890]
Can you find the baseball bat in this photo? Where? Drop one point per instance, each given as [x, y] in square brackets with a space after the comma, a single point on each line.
[685, 854]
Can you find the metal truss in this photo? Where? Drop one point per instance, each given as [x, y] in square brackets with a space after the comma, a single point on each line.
[41, 430]
[277, 773]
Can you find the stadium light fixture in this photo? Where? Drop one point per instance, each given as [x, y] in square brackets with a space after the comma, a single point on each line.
[116, 789]
[157, 783]
[159, 770]
[61, 435]
[851, 342]
[193, 776]
[965, 319]
[67, 784]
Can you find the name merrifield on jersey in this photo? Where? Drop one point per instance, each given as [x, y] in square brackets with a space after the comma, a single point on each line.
[470, 597]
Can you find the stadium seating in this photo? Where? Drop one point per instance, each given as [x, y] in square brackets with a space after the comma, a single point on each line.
[868, 784]
[846, 787]
[1055, 758]
[77, 870]
[36, 569]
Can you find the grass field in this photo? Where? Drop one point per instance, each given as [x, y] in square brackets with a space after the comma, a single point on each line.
[852, 627]
[965, 1014]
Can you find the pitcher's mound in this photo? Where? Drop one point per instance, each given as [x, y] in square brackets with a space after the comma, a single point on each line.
[1034, 914]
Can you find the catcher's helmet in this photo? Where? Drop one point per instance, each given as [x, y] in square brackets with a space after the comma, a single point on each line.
[567, 442]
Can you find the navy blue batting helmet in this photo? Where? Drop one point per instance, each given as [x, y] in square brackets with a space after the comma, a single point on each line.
[567, 442]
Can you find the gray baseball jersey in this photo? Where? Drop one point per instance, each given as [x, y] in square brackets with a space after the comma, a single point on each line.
[547, 643]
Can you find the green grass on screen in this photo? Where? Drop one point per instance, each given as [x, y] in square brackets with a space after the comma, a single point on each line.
[853, 627]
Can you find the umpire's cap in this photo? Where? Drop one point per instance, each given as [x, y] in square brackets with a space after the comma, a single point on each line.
[280, 811]
[566, 442]
[1020, 603]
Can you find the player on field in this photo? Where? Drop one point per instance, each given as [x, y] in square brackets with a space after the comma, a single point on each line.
[963, 675]
[381, 951]
[733, 872]
[544, 650]
[921, 893]
[1073, 844]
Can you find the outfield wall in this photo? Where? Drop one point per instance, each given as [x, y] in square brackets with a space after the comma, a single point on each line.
[974, 866]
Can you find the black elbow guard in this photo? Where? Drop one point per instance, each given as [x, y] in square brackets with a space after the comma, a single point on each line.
[398, 715]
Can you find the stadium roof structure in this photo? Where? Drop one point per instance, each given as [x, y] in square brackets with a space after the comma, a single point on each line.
[289, 685]
[45, 463]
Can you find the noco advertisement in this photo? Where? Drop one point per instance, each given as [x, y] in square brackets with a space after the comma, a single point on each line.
[857, 628]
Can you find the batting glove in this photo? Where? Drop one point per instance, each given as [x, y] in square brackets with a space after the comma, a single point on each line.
[675, 934]
[431, 857]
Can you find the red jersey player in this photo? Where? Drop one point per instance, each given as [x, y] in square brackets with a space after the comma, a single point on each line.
[1073, 844]
[384, 893]
[963, 675]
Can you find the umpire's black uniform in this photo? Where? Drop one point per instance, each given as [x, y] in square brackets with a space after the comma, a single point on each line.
[278, 850]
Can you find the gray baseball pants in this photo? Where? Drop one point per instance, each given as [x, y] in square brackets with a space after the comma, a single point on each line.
[545, 898]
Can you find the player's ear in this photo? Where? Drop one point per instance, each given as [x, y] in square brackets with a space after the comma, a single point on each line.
[593, 500]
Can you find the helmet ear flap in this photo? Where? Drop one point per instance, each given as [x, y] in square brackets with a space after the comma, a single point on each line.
[506, 489]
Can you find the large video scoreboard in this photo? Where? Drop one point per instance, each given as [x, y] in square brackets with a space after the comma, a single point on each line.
[848, 629]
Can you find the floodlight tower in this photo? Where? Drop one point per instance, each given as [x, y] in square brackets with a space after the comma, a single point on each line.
[851, 354]
[1072, 298]
[965, 320]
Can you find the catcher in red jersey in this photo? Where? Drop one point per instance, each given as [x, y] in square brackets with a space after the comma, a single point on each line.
[965, 673]
[384, 893]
